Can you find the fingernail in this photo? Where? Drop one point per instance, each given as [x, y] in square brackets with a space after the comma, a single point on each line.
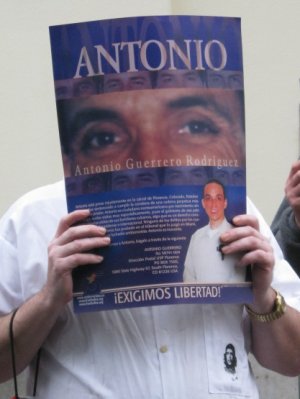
[106, 240]
[235, 219]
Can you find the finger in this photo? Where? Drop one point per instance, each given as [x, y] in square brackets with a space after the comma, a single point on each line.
[66, 265]
[71, 219]
[247, 244]
[294, 199]
[293, 182]
[262, 259]
[79, 246]
[294, 169]
[238, 233]
[246, 220]
[80, 232]
[293, 196]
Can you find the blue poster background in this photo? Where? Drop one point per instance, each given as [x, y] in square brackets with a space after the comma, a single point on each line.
[68, 40]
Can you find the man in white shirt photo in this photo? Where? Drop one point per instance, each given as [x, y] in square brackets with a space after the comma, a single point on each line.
[205, 261]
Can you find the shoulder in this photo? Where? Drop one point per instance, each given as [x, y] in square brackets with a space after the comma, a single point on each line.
[43, 206]
[49, 194]
[198, 234]
[55, 191]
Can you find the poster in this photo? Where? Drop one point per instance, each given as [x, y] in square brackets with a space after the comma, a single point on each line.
[151, 124]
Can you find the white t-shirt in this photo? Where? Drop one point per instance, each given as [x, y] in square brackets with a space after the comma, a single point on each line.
[162, 352]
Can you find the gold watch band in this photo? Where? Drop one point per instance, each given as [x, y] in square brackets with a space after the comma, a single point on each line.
[278, 310]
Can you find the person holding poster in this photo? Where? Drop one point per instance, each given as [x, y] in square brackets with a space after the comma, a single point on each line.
[205, 261]
[143, 352]
[286, 223]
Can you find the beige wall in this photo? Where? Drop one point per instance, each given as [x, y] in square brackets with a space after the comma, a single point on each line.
[30, 154]
[29, 147]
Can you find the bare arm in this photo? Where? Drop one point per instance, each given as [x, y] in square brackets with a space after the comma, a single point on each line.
[37, 316]
[275, 344]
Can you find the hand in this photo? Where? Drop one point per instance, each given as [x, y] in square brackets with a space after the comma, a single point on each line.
[292, 190]
[69, 249]
[255, 250]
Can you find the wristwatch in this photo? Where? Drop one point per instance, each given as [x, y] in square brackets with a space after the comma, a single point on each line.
[277, 311]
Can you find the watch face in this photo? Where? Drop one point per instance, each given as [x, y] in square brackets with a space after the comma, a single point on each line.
[278, 310]
[280, 303]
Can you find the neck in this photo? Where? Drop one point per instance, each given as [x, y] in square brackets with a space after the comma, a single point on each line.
[214, 224]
